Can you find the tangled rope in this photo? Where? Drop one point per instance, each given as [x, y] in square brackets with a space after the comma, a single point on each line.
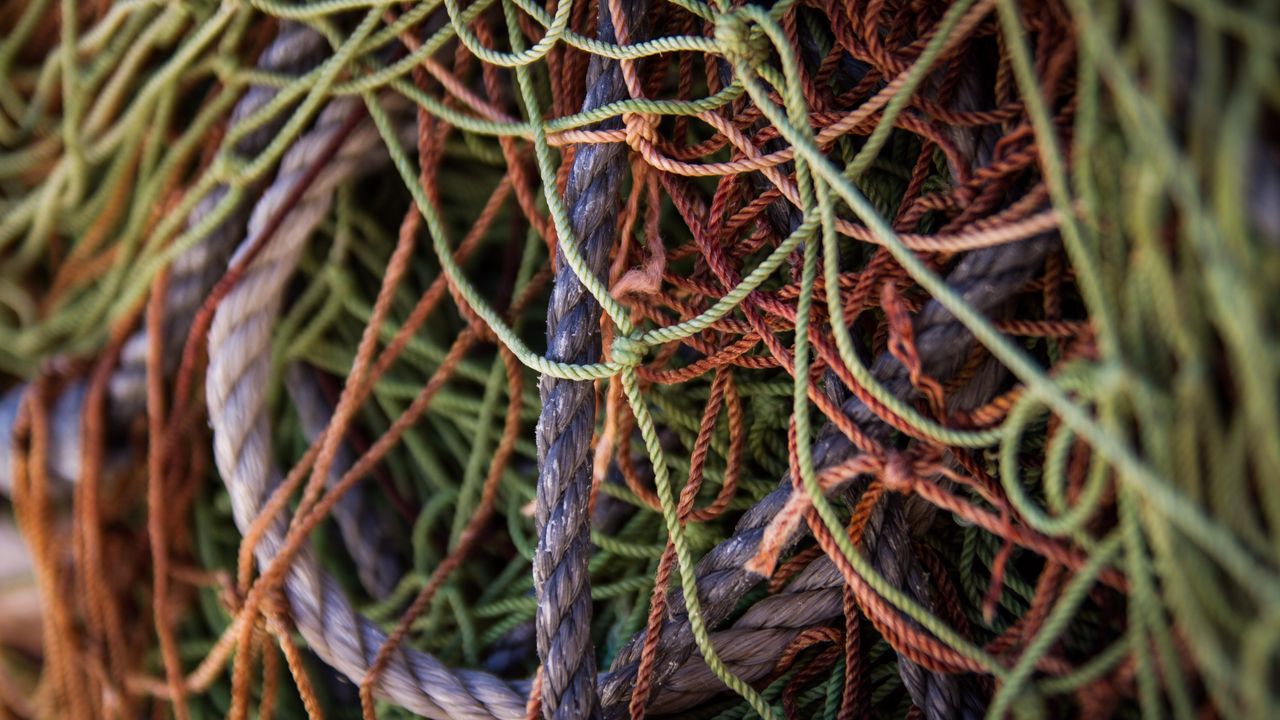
[983, 283]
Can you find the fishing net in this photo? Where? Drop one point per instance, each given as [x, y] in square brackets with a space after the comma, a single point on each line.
[624, 358]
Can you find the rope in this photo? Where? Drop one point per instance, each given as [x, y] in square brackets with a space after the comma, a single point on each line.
[567, 419]
[239, 340]
[976, 279]
[366, 532]
[193, 273]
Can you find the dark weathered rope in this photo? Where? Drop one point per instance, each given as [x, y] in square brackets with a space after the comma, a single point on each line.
[567, 420]
[517, 646]
[887, 540]
[755, 641]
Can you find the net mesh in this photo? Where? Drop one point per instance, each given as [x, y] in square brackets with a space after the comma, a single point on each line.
[935, 351]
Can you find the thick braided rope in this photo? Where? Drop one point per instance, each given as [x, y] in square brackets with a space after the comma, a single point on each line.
[239, 364]
[367, 536]
[755, 641]
[887, 539]
[985, 278]
[567, 419]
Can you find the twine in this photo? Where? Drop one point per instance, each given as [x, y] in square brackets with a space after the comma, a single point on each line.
[1017, 258]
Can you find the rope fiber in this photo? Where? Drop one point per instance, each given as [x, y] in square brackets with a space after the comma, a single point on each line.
[893, 358]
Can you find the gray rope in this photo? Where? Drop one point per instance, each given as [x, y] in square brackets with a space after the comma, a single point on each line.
[560, 565]
[239, 365]
[295, 49]
[368, 535]
[64, 436]
[886, 539]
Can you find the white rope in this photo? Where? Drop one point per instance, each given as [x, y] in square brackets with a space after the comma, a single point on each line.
[239, 366]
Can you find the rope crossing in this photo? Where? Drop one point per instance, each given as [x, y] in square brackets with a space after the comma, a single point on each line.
[567, 420]
[894, 358]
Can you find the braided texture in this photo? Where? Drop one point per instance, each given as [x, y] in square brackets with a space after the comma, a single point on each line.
[239, 365]
[895, 358]
[567, 419]
[192, 275]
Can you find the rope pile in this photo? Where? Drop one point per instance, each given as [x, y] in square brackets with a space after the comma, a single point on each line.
[633, 358]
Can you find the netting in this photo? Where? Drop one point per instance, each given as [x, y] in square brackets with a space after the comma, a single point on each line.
[879, 357]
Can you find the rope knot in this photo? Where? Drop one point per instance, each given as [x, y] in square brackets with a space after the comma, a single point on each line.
[640, 128]
[627, 352]
[229, 169]
[898, 474]
[739, 40]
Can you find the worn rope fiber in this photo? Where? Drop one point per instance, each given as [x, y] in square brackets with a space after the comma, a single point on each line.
[567, 419]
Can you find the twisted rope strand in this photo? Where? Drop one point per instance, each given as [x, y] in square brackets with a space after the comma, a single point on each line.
[567, 418]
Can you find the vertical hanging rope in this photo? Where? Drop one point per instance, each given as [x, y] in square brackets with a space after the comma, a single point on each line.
[191, 276]
[567, 419]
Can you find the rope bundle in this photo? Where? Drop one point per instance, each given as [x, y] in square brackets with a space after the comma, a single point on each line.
[900, 358]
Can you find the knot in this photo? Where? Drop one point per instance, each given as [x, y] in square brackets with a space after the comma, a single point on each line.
[627, 352]
[739, 39]
[229, 169]
[641, 128]
[898, 474]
